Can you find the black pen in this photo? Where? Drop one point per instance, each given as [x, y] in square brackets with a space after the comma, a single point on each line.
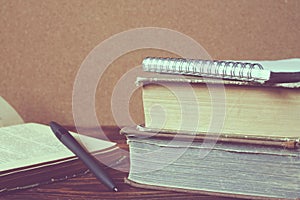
[68, 140]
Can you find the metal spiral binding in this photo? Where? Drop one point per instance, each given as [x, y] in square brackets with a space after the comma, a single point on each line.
[208, 68]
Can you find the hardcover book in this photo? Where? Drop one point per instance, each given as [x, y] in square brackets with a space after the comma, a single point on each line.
[189, 163]
[233, 108]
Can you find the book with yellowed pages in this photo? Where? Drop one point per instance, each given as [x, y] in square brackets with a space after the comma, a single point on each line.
[31, 154]
[229, 108]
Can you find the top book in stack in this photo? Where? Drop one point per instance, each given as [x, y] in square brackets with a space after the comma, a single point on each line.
[261, 98]
[280, 71]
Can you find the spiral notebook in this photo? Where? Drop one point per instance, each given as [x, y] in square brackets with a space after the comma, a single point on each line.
[277, 71]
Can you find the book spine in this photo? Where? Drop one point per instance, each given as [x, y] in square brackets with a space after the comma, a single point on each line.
[207, 68]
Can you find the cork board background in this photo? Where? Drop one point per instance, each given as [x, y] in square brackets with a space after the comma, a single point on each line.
[43, 44]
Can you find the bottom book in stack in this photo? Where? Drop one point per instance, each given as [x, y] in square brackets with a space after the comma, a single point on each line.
[189, 163]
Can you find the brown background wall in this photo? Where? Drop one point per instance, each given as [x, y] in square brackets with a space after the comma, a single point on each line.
[44, 42]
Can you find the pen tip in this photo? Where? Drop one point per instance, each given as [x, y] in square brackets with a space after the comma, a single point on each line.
[115, 189]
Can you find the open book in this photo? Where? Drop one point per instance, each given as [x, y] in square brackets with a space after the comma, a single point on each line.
[32, 155]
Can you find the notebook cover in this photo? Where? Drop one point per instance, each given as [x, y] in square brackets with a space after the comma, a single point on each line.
[159, 78]
[276, 71]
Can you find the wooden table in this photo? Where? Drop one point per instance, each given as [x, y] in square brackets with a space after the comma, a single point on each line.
[88, 187]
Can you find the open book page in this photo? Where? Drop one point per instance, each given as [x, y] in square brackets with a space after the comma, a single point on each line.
[28, 144]
[8, 115]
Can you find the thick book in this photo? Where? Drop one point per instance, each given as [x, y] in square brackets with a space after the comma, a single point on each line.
[274, 71]
[230, 108]
[189, 163]
[31, 155]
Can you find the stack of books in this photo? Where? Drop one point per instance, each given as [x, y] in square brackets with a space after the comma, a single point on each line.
[226, 128]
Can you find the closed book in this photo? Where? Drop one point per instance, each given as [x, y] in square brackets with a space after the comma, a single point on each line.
[188, 163]
[232, 108]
